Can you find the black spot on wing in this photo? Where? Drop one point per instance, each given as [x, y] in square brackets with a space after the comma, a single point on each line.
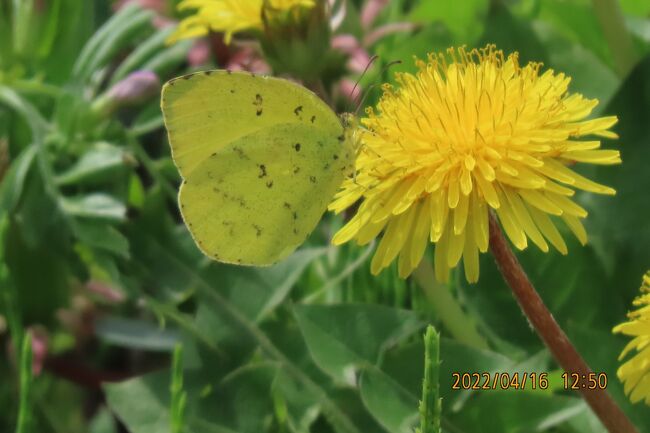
[313, 119]
[258, 104]
[297, 110]
[312, 179]
[240, 153]
[258, 230]
[269, 184]
[262, 168]
[297, 147]
[296, 169]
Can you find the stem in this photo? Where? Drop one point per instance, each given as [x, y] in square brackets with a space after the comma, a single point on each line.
[450, 313]
[618, 39]
[178, 395]
[430, 406]
[547, 328]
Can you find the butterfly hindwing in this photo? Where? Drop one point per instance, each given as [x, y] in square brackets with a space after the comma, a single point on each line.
[260, 196]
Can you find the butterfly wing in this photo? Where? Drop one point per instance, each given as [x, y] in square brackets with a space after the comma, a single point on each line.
[207, 110]
[255, 185]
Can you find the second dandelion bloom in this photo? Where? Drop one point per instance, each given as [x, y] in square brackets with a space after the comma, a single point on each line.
[469, 132]
[635, 372]
[228, 16]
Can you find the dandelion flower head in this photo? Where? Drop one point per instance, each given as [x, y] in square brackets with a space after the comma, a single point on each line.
[228, 16]
[635, 372]
[471, 131]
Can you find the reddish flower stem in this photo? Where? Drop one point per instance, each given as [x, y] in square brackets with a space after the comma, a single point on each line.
[547, 328]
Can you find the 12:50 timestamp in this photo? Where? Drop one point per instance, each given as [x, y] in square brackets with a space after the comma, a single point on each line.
[584, 381]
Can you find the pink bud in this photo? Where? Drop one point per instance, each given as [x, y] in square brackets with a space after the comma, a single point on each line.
[349, 90]
[39, 349]
[370, 10]
[199, 53]
[358, 57]
[159, 6]
[108, 293]
[136, 88]
[247, 59]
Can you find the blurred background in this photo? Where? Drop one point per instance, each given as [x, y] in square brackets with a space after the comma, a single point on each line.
[99, 269]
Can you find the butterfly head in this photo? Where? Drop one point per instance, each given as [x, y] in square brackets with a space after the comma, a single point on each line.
[351, 129]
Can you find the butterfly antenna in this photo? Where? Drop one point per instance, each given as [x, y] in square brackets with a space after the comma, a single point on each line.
[370, 62]
[383, 70]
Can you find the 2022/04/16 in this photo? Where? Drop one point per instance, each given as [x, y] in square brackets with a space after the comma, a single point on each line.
[525, 380]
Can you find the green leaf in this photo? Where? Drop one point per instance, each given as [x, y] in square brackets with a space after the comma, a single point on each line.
[344, 337]
[174, 253]
[589, 74]
[95, 205]
[394, 407]
[141, 403]
[169, 59]
[22, 106]
[515, 411]
[99, 161]
[465, 19]
[119, 31]
[578, 22]
[511, 33]
[102, 422]
[135, 334]
[255, 292]
[146, 51]
[49, 32]
[12, 185]
[618, 226]
[100, 235]
[239, 403]
[39, 272]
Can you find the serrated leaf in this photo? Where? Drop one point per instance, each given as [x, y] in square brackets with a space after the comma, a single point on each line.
[344, 337]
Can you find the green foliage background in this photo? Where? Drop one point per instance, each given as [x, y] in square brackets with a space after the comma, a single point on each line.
[88, 199]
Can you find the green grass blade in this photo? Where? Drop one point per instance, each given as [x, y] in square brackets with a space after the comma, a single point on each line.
[24, 410]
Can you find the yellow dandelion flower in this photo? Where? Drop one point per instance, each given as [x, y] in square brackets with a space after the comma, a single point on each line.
[635, 373]
[471, 131]
[227, 16]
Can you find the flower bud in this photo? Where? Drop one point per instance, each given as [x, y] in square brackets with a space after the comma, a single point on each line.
[297, 42]
[136, 88]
